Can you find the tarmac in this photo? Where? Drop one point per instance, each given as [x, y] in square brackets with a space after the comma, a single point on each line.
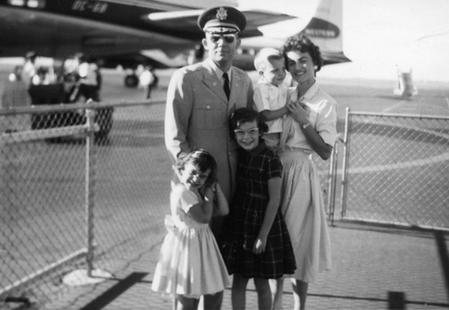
[373, 268]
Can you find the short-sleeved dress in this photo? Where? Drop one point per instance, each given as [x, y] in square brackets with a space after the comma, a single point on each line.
[302, 201]
[248, 208]
[190, 261]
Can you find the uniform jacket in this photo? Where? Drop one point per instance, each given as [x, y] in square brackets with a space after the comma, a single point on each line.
[197, 114]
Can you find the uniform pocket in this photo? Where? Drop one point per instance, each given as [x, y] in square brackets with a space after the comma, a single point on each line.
[209, 116]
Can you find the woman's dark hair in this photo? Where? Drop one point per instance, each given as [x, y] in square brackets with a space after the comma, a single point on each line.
[204, 160]
[245, 115]
[303, 44]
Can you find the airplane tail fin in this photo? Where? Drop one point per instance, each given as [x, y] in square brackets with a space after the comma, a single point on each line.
[325, 30]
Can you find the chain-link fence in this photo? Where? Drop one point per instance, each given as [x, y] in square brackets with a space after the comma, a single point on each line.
[73, 194]
[70, 202]
[42, 184]
[396, 170]
[72, 198]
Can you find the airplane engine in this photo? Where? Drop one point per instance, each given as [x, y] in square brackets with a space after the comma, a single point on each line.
[131, 80]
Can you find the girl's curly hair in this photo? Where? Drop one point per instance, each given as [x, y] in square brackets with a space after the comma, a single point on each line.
[204, 160]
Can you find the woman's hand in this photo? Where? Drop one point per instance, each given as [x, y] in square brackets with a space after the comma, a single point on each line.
[259, 245]
[298, 111]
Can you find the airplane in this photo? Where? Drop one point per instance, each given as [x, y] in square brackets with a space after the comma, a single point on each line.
[325, 29]
[112, 31]
[125, 32]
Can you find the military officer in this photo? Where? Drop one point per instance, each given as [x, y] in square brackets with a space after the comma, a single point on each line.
[201, 97]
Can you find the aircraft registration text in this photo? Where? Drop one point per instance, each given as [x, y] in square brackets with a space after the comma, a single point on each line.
[90, 6]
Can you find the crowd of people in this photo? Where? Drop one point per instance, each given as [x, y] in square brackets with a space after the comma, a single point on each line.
[245, 199]
[77, 77]
[41, 82]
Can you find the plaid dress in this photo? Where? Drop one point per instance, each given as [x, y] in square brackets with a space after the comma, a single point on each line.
[248, 207]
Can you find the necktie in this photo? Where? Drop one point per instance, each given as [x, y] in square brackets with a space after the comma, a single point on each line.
[226, 88]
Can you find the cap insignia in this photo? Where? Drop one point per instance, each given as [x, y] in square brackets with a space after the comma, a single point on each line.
[222, 14]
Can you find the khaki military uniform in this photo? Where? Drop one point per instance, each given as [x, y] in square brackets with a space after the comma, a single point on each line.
[197, 114]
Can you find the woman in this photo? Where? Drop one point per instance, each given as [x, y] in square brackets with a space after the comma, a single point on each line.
[311, 128]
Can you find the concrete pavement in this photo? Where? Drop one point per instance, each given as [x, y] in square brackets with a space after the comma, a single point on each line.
[374, 268]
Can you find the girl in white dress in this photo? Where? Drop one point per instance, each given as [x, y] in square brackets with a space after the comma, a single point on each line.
[190, 263]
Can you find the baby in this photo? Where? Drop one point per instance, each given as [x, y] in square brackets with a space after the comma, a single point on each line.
[270, 93]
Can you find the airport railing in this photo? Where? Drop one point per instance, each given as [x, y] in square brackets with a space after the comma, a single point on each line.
[395, 170]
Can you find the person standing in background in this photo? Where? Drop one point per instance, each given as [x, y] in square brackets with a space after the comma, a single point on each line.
[153, 81]
[90, 78]
[29, 68]
[15, 94]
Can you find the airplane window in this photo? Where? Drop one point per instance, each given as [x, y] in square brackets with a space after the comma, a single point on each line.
[17, 2]
[36, 3]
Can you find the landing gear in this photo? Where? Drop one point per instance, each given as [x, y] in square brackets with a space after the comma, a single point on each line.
[131, 80]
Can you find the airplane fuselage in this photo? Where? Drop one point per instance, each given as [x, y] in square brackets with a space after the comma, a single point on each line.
[117, 31]
[60, 28]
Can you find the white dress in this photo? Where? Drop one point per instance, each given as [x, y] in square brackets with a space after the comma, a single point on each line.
[190, 262]
[302, 202]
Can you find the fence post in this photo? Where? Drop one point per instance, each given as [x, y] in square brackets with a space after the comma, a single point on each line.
[91, 275]
[89, 187]
[332, 183]
[344, 184]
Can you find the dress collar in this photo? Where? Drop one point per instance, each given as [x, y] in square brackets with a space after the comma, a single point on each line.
[258, 148]
[311, 91]
[309, 94]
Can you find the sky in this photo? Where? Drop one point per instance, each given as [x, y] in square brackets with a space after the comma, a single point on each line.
[380, 36]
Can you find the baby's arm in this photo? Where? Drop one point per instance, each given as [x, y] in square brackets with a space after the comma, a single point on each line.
[270, 115]
[264, 104]
[221, 207]
[274, 189]
[202, 211]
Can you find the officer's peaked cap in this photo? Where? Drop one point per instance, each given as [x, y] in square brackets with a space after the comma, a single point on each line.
[222, 19]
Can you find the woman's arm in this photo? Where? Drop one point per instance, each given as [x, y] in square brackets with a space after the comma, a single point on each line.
[221, 203]
[317, 143]
[274, 189]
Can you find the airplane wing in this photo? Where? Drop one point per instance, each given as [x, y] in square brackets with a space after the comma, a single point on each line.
[334, 57]
[59, 35]
[325, 29]
[61, 28]
[176, 20]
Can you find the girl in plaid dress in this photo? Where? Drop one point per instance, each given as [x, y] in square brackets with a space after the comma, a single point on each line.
[258, 244]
